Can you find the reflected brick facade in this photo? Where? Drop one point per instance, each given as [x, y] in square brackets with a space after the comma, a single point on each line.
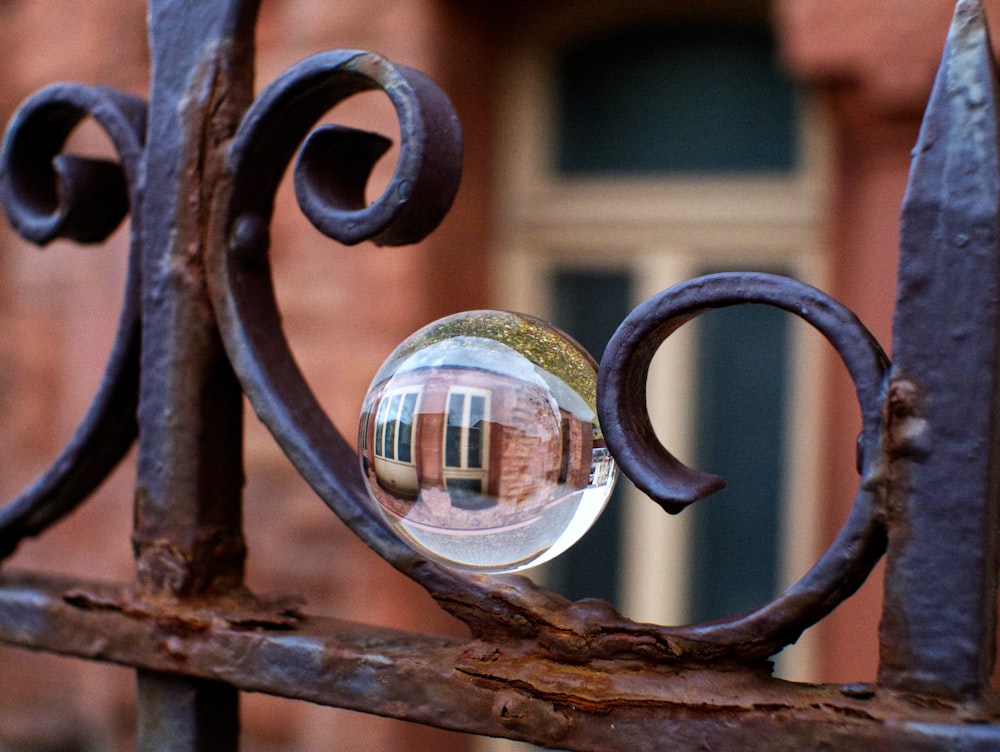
[529, 449]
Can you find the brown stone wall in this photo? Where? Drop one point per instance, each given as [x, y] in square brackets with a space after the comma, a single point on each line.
[526, 458]
[578, 454]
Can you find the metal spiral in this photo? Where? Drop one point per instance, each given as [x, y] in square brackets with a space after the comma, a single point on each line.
[627, 428]
[330, 176]
[49, 195]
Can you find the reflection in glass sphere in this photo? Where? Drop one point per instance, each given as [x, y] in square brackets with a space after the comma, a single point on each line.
[480, 445]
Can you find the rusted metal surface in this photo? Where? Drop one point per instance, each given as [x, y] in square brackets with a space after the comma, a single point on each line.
[33, 177]
[200, 178]
[188, 536]
[941, 412]
[177, 713]
[478, 686]
[630, 436]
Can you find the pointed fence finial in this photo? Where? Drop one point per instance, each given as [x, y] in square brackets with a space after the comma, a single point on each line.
[941, 409]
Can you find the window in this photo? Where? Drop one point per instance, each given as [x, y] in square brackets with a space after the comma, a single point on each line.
[639, 158]
[466, 446]
[687, 98]
[394, 426]
[395, 464]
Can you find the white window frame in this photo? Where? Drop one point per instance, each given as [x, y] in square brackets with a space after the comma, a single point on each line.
[664, 231]
[400, 474]
[463, 471]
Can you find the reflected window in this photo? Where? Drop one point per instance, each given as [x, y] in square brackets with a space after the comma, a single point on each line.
[394, 426]
[466, 442]
[395, 456]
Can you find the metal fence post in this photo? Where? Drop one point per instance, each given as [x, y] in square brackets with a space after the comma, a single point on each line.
[188, 534]
[941, 407]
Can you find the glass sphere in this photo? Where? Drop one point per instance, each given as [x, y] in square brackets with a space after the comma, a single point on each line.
[480, 445]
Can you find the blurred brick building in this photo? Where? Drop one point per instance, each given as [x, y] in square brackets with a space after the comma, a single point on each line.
[542, 222]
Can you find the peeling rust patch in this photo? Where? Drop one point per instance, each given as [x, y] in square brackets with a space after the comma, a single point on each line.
[907, 431]
[238, 610]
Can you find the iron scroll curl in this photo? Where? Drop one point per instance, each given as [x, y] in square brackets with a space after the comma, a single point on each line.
[630, 436]
[330, 176]
[48, 195]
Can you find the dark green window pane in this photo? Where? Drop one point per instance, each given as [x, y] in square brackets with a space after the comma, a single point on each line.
[474, 456]
[742, 364]
[390, 428]
[703, 99]
[589, 306]
[406, 427]
[453, 431]
[380, 420]
[741, 386]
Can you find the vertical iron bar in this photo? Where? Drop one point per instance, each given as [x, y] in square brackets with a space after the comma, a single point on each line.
[188, 524]
[939, 625]
[177, 714]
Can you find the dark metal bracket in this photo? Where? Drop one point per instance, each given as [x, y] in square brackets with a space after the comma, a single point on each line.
[198, 169]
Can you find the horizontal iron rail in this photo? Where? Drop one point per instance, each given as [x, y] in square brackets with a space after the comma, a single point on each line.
[477, 687]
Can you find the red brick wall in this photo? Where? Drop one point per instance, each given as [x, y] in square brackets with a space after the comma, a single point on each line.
[345, 310]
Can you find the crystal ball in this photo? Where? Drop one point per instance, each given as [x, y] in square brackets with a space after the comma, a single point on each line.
[480, 445]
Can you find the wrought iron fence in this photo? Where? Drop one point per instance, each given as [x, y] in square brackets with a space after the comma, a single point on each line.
[197, 169]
